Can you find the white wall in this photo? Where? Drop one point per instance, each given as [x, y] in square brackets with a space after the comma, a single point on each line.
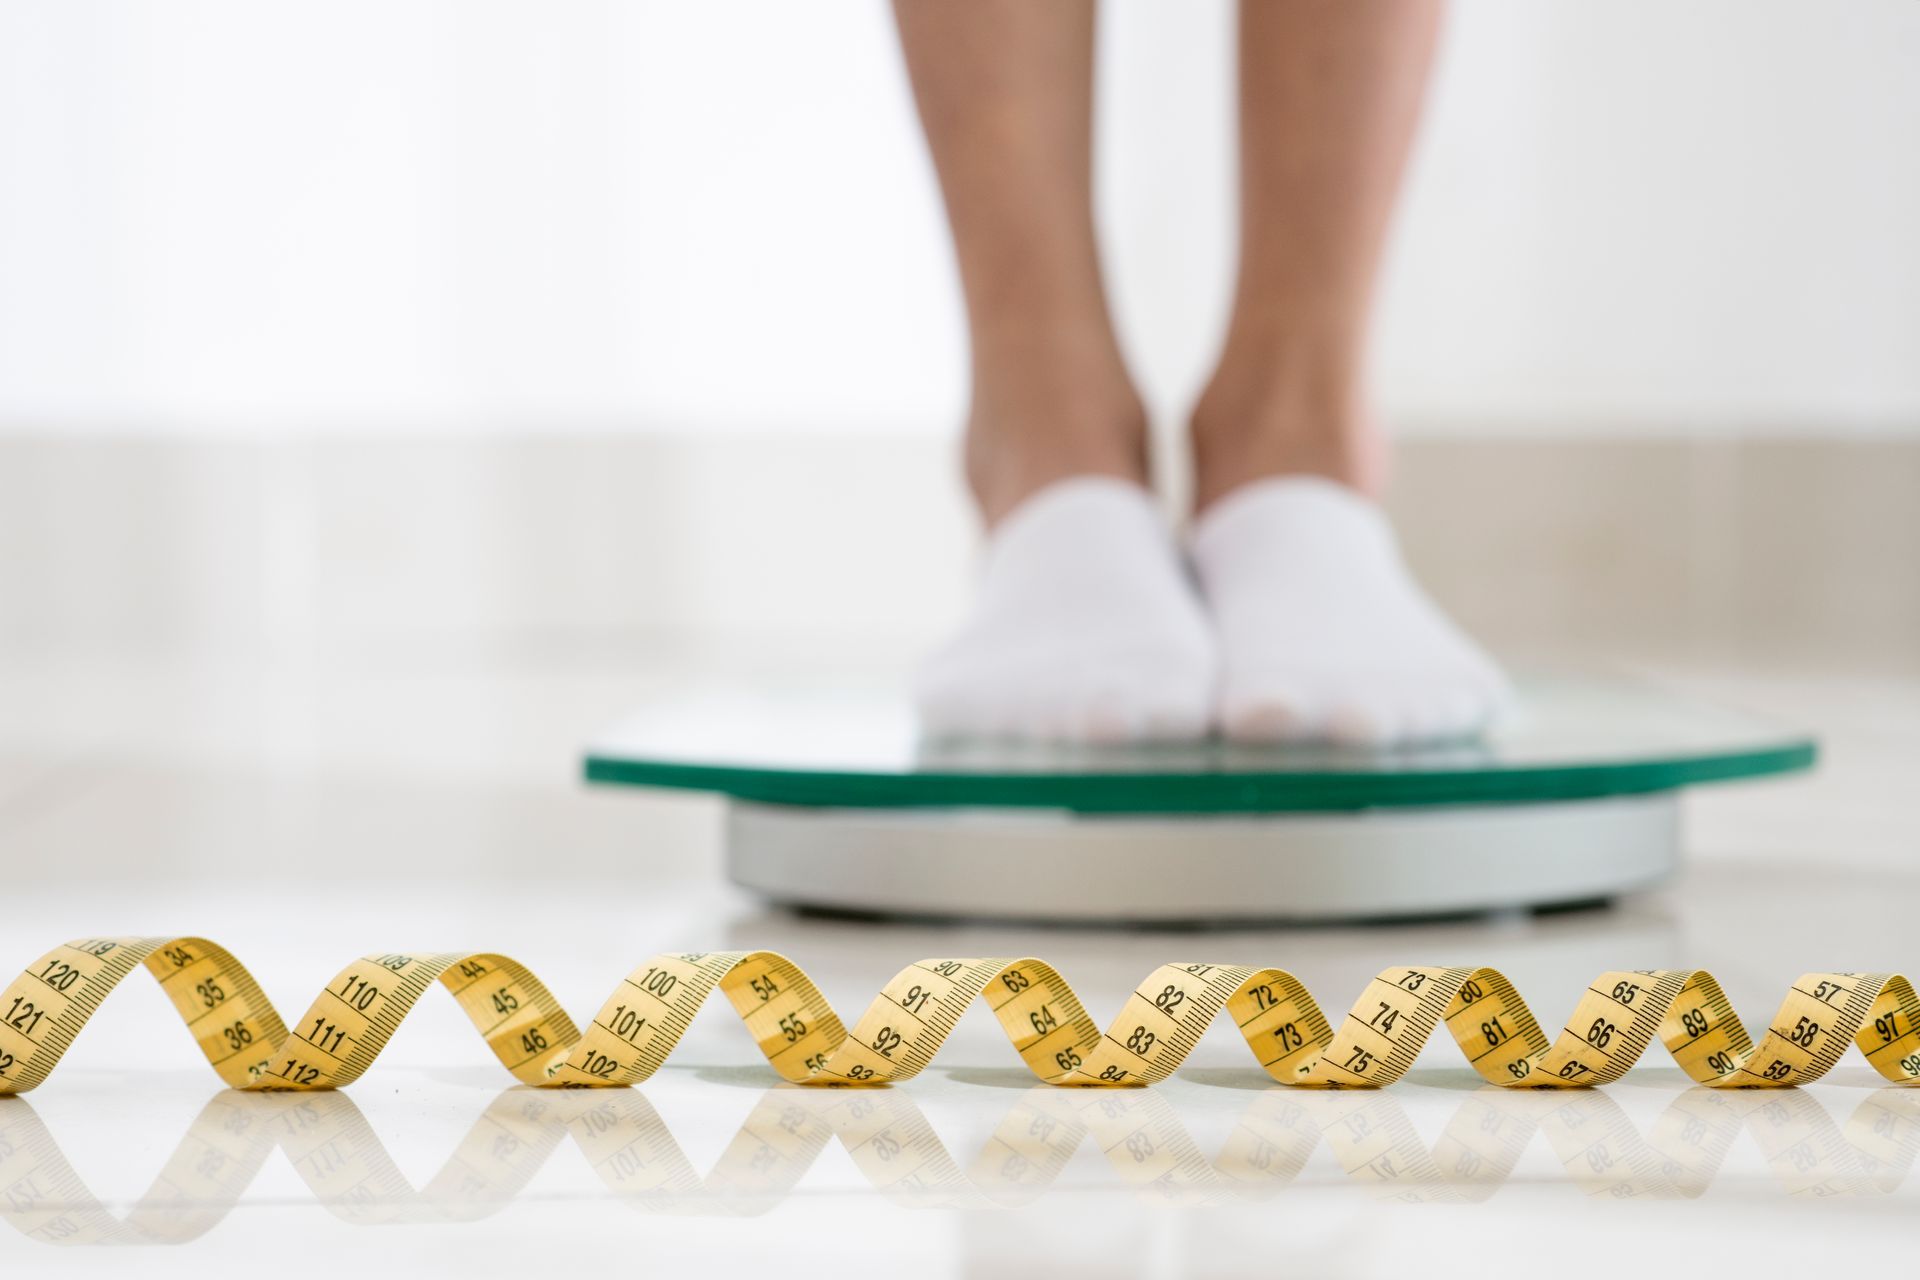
[268, 217]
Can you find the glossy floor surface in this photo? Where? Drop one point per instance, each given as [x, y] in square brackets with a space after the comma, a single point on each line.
[305, 816]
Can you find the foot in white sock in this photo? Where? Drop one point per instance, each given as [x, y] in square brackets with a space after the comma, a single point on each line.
[1323, 633]
[1085, 628]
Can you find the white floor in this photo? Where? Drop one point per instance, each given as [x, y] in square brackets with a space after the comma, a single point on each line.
[305, 816]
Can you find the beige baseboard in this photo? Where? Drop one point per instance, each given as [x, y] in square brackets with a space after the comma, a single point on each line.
[1769, 548]
[1762, 548]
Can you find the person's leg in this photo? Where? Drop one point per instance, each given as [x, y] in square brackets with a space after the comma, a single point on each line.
[1322, 632]
[1330, 94]
[1084, 626]
[1005, 89]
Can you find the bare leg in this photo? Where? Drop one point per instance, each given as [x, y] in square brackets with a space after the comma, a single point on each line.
[1085, 626]
[1005, 92]
[1330, 93]
[1322, 632]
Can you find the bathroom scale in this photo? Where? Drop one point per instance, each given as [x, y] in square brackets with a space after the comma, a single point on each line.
[834, 802]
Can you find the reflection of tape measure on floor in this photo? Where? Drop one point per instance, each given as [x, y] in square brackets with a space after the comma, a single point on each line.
[805, 1041]
[631, 1149]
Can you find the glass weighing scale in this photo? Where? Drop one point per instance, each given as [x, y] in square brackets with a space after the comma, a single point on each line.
[834, 803]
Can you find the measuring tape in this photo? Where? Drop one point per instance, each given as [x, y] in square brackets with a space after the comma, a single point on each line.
[802, 1038]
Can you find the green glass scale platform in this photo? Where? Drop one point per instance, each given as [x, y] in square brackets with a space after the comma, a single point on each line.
[834, 802]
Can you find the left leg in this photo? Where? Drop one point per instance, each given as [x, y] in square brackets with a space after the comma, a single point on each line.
[1322, 632]
[1084, 626]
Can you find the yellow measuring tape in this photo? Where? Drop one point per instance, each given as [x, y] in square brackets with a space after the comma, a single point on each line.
[806, 1043]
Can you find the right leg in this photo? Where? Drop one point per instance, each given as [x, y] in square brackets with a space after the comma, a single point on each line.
[1085, 627]
[1323, 632]
[1005, 89]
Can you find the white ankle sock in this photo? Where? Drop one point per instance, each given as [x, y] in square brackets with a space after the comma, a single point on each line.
[1085, 628]
[1323, 633]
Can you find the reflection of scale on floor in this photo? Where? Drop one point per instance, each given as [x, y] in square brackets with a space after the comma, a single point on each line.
[834, 804]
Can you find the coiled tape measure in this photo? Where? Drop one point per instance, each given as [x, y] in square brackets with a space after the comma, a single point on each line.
[339, 1037]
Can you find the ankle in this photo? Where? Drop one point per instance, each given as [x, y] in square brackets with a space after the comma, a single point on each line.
[1013, 453]
[1253, 423]
[1047, 422]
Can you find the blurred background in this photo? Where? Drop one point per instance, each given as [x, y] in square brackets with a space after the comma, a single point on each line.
[392, 393]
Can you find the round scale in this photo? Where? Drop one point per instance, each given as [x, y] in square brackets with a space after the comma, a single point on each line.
[834, 802]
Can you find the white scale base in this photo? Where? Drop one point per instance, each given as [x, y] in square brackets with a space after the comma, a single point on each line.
[1044, 865]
